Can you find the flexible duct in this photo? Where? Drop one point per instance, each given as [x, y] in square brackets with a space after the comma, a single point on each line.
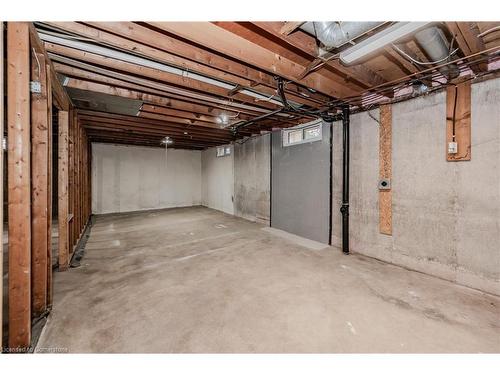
[436, 46]
[335, 34]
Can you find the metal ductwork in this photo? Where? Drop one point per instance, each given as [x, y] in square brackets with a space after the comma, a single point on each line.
[335, 34]
[436, 46]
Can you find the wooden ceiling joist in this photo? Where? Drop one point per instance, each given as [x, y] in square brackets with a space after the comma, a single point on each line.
[307, 44]
[171, 51]
[289, 27]
[188, 75]
[216, 38]
[86, 59]
[469, 42]
[133, 120]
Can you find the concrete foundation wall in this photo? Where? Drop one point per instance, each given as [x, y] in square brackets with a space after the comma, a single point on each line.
[446, 215]
[217, 178]
[131, 178]
[252, 178]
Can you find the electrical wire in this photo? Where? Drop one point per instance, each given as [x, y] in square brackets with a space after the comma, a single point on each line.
[404, 54]
[493, 29]
[454, 112]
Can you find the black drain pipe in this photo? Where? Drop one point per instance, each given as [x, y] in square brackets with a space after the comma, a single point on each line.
[344, 209]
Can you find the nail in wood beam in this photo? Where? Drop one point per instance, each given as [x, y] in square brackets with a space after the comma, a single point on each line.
[19, 194]
[63, 204]
[39, 187]
[385, 168]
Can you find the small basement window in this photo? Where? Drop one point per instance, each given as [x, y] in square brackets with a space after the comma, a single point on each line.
[306, 133]
[223, 151]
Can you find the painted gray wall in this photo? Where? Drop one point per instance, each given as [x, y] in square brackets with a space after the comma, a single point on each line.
[217, 180]
[252, 165]
[131, 178]
[300, 183]
[446, 215]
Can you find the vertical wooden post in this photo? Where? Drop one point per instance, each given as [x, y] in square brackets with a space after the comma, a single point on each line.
[70, 181]
[385, 168]
[63, 191]
[49, 189]
[19, 173]
[458, 120]
[39, 185]
[1, 173]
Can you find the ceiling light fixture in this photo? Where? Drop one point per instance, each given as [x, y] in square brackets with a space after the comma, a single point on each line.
[380, 40]
[222, 119]
[167, 141]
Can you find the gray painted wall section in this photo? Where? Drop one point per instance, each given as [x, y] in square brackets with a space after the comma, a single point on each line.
[301, 187]
[217, 178]
[446, 215]
[132, 178]
[252, 165]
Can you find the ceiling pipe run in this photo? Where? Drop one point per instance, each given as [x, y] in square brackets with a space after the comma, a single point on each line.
[335, 34]
[437, 47]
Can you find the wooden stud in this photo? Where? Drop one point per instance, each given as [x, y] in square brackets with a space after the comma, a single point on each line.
[49, 188]
[1, 169]
[39, 185]
[63, 204]
[462, 93]
[385, 168]
[62, 99]
[19, 173]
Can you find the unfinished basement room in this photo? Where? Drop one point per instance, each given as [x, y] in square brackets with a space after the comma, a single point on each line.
[250, 186]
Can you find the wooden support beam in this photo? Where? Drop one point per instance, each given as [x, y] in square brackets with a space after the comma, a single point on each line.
[467, 36]
[385, 168]
[69, 56]
[149, 98]
[172, 51]
[307, 44]
[290, 26]
[131, 71]
[458, 120]
[232, 45]
[62, 99]
[63, 204]
[39, 185]
[49, 187]
[133, 131]
[406, 66]
[19, 172]
[1, 167]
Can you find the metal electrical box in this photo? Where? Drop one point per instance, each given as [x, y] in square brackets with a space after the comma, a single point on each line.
[384, 184]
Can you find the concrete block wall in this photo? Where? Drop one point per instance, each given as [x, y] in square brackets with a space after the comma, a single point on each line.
[252, 171]
[217, 180]
[132, 178]
[446, 215]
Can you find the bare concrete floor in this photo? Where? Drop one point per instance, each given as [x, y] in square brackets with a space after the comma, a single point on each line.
[197, 280]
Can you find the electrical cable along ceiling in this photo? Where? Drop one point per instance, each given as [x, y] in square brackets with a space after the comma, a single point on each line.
[206, 84]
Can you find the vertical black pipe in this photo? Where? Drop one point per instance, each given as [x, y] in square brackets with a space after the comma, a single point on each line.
[344, 209]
